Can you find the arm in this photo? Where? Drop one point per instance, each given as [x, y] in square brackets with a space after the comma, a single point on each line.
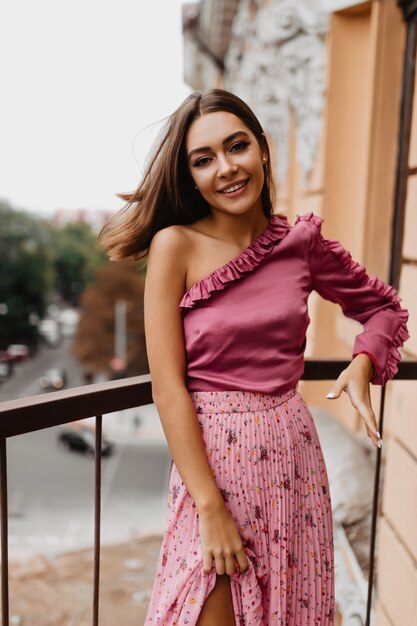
[368, 300]
[164, 287]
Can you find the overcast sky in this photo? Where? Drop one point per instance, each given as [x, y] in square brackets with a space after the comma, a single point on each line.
[79, 83]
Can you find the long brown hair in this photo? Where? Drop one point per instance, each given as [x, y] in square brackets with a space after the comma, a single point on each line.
[166, 194]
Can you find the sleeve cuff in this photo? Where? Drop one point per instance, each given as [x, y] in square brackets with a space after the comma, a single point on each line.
[371, 356]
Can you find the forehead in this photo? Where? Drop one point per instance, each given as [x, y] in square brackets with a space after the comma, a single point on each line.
[212, 128]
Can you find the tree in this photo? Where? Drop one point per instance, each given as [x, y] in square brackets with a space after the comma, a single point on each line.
[77, 258]
[26, 275]
[95, 338]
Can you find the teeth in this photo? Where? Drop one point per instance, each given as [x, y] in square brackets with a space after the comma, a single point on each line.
[235, 187]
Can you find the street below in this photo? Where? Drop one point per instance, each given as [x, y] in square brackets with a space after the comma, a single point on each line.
[51, 489]
[51, 497]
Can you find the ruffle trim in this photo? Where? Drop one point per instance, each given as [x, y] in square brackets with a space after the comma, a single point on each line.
[380, 376]
[240, 265]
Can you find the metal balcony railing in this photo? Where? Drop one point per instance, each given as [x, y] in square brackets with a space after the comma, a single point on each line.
[18, 417]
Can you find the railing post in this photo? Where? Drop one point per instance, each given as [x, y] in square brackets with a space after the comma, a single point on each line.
[4, 536]
[97, 519]
[375, 511]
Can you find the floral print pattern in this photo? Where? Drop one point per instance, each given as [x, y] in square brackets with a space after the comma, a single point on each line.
[266, 458]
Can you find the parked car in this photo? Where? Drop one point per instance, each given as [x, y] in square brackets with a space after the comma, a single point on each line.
[18, 352]
[83, 440]
[5, 365]
[54, 378]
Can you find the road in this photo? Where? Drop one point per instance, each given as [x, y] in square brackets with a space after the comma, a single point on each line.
[51, 491]
[24, 380]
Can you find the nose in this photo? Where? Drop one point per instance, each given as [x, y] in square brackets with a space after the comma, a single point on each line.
[225, 166]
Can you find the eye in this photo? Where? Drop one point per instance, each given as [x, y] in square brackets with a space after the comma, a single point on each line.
[201, 162]
[239, 146]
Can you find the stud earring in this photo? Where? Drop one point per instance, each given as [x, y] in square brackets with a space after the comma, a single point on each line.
[195, 187]
[264, 158]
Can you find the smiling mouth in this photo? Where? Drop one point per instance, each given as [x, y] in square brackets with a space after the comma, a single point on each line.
[233, 188]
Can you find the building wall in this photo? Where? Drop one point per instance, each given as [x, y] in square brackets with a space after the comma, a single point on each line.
[352, 187]
[365, 71]
[397, 541]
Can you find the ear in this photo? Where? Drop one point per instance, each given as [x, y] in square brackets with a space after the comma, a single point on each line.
[263, 145]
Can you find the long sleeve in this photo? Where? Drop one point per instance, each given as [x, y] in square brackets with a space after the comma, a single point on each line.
[366, 299]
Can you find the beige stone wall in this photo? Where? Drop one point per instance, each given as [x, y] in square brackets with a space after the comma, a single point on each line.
[353, 189]
[397, 540]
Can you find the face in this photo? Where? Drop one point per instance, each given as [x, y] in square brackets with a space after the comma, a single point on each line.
[226, 162]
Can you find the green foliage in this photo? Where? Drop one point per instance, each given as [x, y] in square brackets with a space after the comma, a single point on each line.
[26, 275]
[38, 260]
[77, 259]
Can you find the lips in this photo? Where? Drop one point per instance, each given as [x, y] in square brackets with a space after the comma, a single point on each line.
[230, 189]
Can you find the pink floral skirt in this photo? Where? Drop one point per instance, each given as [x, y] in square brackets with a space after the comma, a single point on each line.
[268, 464]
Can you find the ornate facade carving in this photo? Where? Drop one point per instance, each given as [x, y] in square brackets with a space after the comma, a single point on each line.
[276, 61]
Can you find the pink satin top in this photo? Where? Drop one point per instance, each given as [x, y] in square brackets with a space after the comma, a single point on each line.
[245, 323]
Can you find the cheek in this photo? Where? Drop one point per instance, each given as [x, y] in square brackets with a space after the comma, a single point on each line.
[261, 175]
[203, 180]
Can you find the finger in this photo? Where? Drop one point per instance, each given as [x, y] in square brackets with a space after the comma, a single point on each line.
[229, 565]
[242, 560]
[362, 403]
[220, 568]
[207, 562]
[336, 390]
[371, 424]
[375, 438]
[369, 417]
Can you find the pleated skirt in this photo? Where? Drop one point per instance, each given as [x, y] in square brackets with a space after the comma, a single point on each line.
[267, 461]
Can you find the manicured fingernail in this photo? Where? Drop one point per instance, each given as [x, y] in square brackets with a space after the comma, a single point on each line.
[331, 394]
[379, 435]
[380, 444]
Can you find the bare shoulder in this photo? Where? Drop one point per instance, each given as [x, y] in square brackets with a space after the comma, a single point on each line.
[185, 251]
[170, 240]
[166, 265]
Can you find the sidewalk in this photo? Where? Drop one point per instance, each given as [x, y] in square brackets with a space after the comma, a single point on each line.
[59, 592]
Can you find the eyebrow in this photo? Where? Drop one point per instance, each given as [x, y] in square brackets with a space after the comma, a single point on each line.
[225, 141]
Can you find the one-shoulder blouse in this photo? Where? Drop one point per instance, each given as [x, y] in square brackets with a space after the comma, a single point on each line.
[245, 323]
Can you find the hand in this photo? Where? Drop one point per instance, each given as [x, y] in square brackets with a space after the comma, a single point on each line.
[220, 539]
[354, 380]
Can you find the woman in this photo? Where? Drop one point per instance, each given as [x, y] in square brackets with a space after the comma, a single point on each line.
[249, 534]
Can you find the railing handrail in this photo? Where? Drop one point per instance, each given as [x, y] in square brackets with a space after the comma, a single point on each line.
[25, 415]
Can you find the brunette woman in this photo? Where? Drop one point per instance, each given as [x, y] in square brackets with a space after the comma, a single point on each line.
[249, 530]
